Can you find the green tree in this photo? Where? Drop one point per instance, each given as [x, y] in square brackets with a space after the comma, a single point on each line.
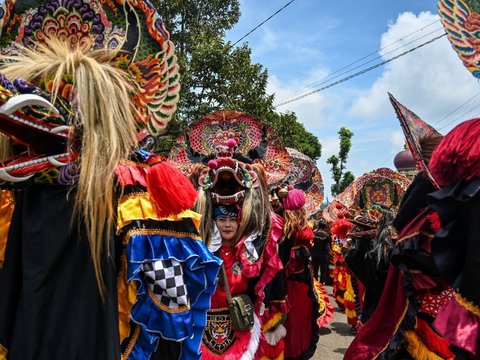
[214, 75]
[341, 177]
[294, 134]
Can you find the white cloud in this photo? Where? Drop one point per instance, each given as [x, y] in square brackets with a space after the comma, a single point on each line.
[431, 81]
[397, 139]
[308, 109]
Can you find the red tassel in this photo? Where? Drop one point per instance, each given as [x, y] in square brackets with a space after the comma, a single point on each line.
[341, 227]
[434, 342]
[434, 220]
[273, 351]
[171, 191]
[457, 156]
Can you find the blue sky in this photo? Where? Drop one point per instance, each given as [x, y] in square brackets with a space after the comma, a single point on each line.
[312, 39]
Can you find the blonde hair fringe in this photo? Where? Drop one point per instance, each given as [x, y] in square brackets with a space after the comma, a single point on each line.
[104, 117]
[294, 220]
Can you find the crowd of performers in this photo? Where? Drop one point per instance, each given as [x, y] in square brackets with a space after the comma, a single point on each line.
[109, 251]
[406, 274]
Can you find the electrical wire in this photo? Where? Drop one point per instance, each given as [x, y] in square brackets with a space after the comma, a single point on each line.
[455, 110]
[331, 77]
[461, 117]
[263, 22]
[359, 72]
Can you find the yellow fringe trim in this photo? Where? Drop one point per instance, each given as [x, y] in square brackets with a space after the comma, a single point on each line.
[3, 352]
[417, 348]
[273, 321]
[139, 206]
[337, 249]
[7, 204]
[467, 304]
[349, 297]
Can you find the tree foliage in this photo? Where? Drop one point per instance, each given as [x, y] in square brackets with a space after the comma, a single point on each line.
[294, 134]
[338, 163]
[214, 75]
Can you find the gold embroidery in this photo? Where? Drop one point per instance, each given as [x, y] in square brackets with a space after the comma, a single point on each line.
[404, 312]
[409, 236]
[3, 352]
[159, 232]
[468, 305]
[166, 308]
[132, 342]
[218, 335]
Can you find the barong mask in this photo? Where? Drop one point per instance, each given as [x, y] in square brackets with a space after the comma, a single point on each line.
[38, 128]
[43, 115]
[227, 178]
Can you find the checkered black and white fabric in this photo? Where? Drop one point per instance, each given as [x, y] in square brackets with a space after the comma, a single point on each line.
[165, 279]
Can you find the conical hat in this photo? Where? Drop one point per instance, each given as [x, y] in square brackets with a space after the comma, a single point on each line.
[414, 129]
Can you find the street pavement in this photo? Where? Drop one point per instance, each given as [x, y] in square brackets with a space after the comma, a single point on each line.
[334, 337]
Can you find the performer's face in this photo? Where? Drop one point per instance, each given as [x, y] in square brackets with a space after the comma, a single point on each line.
[228, 226]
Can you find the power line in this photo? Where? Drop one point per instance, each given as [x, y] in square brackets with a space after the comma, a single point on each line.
[456, 109]
[461, 117]
[359, 73]
[263, 22]
[329, 77]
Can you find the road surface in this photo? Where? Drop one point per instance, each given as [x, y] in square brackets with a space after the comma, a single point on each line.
[335, 337]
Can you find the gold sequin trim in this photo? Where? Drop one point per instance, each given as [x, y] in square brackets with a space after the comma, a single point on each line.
[159, 232]
[428, 235]
[467, 304]
[397, 325]
[134, 163]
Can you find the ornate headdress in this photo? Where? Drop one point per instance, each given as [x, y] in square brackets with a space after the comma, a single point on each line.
[381, 187]
[227, 178]
[254, 142]
[231, 146]
[304, 175]
[88, 79]
[460, 19]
